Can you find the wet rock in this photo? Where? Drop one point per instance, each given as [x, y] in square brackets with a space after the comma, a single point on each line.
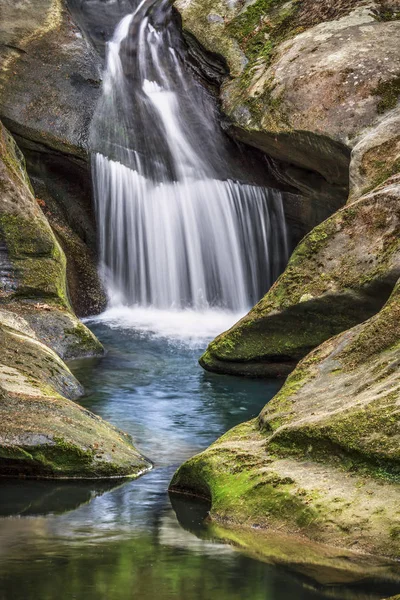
[323, 458]
[44, 434]
[340, 274]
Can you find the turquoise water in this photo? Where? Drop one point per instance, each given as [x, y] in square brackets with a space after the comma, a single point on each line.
[124, 541]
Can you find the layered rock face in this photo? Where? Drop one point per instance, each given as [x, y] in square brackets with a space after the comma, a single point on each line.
[42, 432]
[49, 85]
[322, 459]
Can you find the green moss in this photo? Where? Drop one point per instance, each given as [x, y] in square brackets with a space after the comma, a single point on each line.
[239, 491]
[36, 257]
[13, 158]
[85, 339]
[389, 92]
[58, 459]
[261, 26]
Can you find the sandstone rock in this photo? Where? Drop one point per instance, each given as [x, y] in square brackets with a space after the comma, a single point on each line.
[340, 274]
[323, 459]
[33, 278]
[49, 84]
[305, 82]
[42, 433]
[49, 75]
[305, 78]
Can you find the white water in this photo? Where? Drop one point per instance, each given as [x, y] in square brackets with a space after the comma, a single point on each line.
[186, 327]
[174, 235]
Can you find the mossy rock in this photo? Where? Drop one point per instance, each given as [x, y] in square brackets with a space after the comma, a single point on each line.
[340, 275]
[33, 282]
[323, 458]
[295, 74]
[42, 433]
[36, 259]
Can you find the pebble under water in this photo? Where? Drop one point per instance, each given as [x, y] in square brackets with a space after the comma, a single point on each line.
[123, 540]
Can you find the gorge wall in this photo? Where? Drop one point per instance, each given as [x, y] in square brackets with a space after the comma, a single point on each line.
[316, 84]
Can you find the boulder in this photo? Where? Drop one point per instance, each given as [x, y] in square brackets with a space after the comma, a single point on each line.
[43, 434]
[339, 275]
[323, 458]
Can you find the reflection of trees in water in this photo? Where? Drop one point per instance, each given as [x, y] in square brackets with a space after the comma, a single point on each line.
[28, 498]
[137, 568]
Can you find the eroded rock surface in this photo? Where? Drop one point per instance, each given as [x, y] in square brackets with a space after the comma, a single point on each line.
[339, 275]
[49, 84]
[42, 432]
[306, 78]
[323, 458]
[34, 283]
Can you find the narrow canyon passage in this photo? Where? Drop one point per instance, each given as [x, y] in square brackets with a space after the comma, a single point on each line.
[191, 235]
[123, 540]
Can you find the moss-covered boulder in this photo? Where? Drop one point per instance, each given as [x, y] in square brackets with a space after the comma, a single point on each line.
[339, 275]
[32, 263]
[323, 458]
[42, 432]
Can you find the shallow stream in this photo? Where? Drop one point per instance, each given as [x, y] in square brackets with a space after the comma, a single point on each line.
[124, 540]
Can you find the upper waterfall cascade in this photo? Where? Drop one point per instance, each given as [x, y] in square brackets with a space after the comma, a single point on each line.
[177, 230]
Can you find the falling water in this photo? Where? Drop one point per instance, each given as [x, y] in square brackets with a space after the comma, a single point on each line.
[176, 229]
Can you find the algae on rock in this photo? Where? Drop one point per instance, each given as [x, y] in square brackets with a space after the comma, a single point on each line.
[323, 458]
[33, 274]
[44, 434]
[339, 275]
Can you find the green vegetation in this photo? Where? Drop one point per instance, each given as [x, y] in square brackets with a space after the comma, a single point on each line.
[389, 92]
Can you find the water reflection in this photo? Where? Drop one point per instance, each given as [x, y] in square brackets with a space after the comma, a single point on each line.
[34, 498]
[126, 543]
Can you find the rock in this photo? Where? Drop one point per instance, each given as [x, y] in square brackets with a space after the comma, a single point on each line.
[33, 281]
[323, 458]
[304, 82]
[376, 156]
[49, 84]
[44, 434]
[49, 76]
[339, 275]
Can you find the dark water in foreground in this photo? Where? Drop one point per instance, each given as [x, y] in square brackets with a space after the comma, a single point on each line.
[118, 541]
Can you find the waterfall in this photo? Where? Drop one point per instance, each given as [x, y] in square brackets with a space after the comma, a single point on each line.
[177, 229]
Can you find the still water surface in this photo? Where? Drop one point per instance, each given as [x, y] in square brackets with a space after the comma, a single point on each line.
[123, 541]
